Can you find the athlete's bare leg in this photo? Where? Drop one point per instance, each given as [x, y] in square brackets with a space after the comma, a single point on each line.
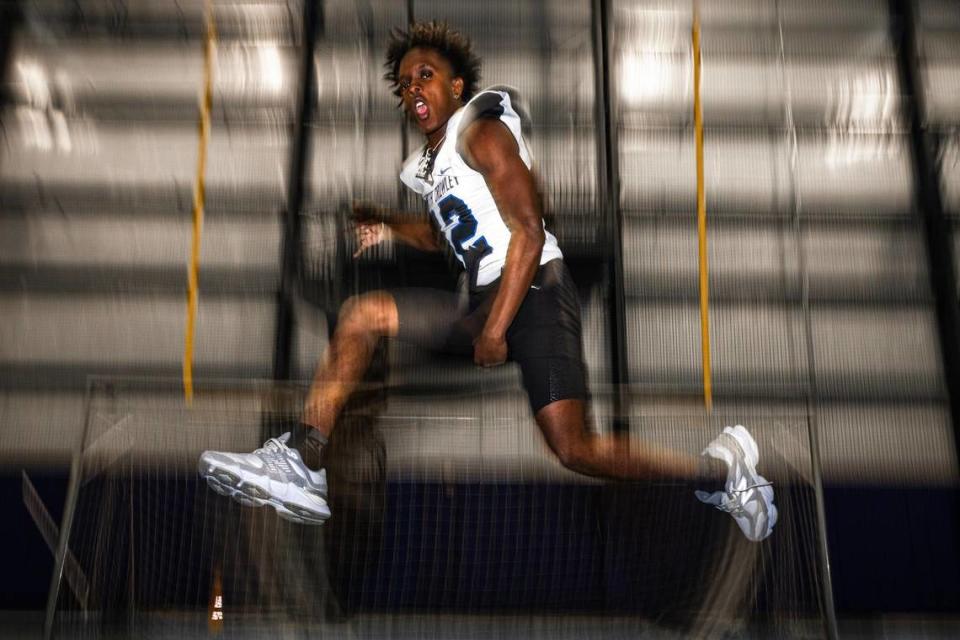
[366, 318]
[363, 320]
[609, 456]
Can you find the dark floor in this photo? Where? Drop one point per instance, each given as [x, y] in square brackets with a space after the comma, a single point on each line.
[27, 625]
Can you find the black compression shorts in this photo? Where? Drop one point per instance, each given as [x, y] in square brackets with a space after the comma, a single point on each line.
[544, 338]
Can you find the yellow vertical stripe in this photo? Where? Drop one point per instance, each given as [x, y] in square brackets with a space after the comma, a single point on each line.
[701, 213]
[193, 288]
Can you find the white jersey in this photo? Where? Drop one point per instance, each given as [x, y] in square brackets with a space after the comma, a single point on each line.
[457, 195]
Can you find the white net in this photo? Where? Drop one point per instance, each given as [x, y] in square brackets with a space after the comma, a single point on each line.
[486, 538]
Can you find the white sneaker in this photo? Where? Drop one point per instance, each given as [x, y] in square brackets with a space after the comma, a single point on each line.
[272, 475]
[747, 496]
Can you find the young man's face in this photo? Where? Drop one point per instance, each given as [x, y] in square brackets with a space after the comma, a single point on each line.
[431, 94]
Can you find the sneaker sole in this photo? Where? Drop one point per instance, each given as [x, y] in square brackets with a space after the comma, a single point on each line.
[226, 483]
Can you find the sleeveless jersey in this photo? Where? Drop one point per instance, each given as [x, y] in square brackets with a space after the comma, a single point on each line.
[458, 198]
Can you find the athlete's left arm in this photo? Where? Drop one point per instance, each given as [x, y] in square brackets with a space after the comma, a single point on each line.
[489, 147]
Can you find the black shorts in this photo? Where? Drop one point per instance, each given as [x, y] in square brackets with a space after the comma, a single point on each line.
[544, 338]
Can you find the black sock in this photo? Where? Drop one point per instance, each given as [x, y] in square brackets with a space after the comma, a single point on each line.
[309, 442]
[315, 443]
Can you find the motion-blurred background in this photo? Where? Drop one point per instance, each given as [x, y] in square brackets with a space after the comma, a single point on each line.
[832, 181]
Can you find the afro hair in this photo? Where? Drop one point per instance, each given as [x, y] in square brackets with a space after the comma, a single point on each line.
[451, 44]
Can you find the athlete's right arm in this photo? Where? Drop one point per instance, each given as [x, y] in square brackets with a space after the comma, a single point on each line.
[416, 233]
[371, 223]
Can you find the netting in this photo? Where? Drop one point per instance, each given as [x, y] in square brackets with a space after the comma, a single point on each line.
[502, 533]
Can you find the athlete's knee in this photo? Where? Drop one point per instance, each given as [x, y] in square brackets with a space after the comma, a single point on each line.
[562, 423]
[575, 454]
[374, 312]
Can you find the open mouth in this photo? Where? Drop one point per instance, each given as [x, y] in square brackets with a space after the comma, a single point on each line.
[420, 109]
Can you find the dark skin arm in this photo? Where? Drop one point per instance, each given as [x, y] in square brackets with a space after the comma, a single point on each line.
[489, 148]
[417, 233]
[407, 228]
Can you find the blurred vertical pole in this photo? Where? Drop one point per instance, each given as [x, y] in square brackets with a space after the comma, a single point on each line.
[404, 135]
[402, 192]
[701, 214]
[927, 199]
[199, 197]
[813, 392]
[608, 201]
[312, 25]
[9, 19]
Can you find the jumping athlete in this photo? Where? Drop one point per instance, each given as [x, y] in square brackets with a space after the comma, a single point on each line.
[474, 174]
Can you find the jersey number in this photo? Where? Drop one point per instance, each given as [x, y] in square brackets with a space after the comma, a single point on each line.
[465, 228]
